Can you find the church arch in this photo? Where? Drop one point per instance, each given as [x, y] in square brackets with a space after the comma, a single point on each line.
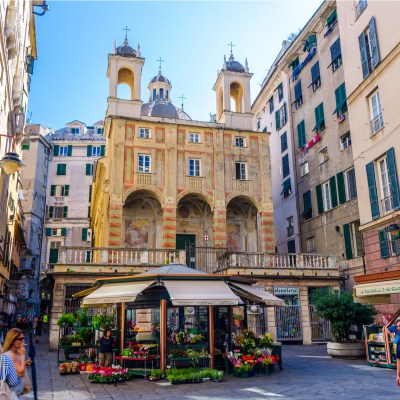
[236, 96]
[126, 84]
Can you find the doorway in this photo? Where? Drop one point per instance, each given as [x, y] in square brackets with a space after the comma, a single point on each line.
[188, 243]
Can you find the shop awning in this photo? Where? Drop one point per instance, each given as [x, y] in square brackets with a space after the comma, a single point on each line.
[85, 292]
[377, 288]
[256, 295]
[111, 293]
[200, 293]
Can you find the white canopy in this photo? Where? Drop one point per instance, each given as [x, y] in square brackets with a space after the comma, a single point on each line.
[200, 293]
[111, 293]
[257, 295]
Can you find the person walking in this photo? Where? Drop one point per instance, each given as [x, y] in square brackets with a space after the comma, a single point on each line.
[105, 351]
[14, 347]
[8, 374]
[395, 331]
[38, 330]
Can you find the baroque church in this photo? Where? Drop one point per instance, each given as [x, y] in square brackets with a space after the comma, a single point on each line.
[168, 181]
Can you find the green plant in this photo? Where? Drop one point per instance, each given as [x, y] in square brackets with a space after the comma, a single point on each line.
[102, 321]
[156, 373]
[339, 308]
[266, 341]
[65, 341]
[76, 338]
[66, 319]
[82, 317]
[87, 334]
[237, 316]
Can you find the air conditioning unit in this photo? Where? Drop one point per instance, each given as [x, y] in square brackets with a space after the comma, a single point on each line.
[89, 235]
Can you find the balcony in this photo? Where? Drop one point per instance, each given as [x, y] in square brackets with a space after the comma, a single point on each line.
[207, 259]
[242, 185]
[143, 178]
[194, 182]
[377, 124]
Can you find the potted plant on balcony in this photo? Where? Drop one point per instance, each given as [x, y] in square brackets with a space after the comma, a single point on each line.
[340, 309]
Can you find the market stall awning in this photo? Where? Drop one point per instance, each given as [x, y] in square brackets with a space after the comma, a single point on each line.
[85, 292]
[256, 295]
[111, 293]
[377, 288]
[200, 293]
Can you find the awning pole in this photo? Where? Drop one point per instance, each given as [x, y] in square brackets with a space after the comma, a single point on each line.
[211, 332]
[122, 333]
[163, 334]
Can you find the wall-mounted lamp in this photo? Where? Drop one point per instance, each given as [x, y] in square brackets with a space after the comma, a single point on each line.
[11, 161]
[394, 229]
[44, 6]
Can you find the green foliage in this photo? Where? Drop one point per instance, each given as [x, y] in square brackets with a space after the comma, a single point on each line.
[156, 373]
[102, 321]
[65, 341]
[66, 319]
[341, 311]
[87, 334]
[82, 317]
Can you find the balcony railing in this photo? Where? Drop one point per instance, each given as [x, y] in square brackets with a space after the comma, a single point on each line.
[377, 124]
[195, 182]
[207, 259]
[143, 178]
[242, 185]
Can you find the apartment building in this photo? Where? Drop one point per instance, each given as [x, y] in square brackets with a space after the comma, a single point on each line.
[371, 60]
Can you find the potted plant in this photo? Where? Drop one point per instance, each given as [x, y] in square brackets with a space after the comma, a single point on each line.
[339, 308]
[102, 321]
[156, 374]
[66, 319]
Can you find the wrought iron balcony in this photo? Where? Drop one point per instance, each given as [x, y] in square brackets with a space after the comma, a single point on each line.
[208, 259]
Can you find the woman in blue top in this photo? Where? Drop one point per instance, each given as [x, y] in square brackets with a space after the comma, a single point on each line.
[395, 331]
[11, 376]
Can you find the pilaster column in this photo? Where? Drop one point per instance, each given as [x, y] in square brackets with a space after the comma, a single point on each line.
[219, 227]
[267, 232]
[56, 310]
[115, 236]
[305, 315]
[169, 228]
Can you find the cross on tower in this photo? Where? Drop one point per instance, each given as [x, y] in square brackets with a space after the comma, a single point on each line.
[182, 98]
[126, 29]
[232, 46]
[160, 60]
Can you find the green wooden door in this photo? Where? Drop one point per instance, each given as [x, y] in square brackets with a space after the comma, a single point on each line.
[188, 243]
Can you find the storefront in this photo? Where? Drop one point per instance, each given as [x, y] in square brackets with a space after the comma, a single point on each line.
[173, 305]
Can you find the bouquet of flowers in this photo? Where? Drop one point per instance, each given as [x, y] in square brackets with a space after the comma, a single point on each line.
[109, 374]
[266, 341]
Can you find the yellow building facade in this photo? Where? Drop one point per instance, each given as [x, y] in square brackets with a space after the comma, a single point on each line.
[167, 181]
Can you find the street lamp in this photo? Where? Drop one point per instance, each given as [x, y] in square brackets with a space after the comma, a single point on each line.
[11, 163]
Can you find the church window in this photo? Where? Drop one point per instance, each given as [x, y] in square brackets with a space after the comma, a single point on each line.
[144, 163]
[240, 141]
[161, 94]
[154, 94]
[145, 133]
[194, 167]
[194, 137]
[241, 170]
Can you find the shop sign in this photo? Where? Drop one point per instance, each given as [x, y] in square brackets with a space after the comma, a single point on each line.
[376, 288]
[286, 291]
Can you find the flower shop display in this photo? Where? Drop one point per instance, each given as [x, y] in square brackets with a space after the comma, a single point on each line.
[136, 350]
[193, 375]
[109, 374]
[156, 375]
[185, 337]
[69, 368]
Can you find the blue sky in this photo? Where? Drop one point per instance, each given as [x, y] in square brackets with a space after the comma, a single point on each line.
[75, 37]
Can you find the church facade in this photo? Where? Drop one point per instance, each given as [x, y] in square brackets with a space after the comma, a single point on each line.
[167, 181]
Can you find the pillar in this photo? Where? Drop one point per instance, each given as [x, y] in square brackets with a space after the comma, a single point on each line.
[115, 236]
[169, 228]
[305, 315]
[267, 232]
[56, 310]
[219, 227]
[163, 334]
[122, 333]
[211, 333]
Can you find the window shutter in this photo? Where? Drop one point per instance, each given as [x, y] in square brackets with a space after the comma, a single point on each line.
[307, 211]
[88, 256]
[53, 256]
[320, 202]
[297, 91]
[332, 185]
[393, 180]
[89, 150]
[64, 232]
[291, 245]
[102, 150]
[49, 231]
[88, 212]
[90, 193]
[341, 188]
[284, 113]
[321, 113]
[301, 134]
[65, 212]
[374, 43]
[363, 55]
[51, 211]
[84, 234]
[66, 190]
[277, 120]
[347, 241]
[335, 50]
[69, 150]
[52, 190]
[285, 166]
[88, 169]
[56, 149]
[383, 243]
[373, 193]
[283, 142]
[315, 74]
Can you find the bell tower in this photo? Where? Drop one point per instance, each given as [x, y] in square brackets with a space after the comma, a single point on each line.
[232, 90]
[125, 67]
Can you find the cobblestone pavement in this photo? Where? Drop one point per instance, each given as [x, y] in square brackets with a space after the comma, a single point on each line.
[308, 373]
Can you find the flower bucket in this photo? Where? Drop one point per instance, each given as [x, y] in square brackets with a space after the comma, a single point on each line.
[244, 374]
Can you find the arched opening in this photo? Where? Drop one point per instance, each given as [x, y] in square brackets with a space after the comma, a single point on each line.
[142, 221]
[220, 104]
[236, 96]
[241, 225]
[126, 84]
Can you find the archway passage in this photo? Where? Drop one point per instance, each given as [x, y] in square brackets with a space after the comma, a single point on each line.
[142, 221]
[126, 84]
[242, 225]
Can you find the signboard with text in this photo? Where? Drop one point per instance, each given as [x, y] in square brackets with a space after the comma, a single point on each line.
[286, 291]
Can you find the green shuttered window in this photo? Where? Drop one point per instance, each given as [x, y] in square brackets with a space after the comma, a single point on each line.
[373, 193]
[320, 202]
[84, 234]
[347, 241]
[301, 134]
[341, 187]
[334, 197]
[61, 169]
[393, 179]
[383, 242]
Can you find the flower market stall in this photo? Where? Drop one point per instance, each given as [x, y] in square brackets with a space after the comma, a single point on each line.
[179, 317]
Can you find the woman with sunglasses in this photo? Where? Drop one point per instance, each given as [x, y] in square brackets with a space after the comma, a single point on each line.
[14, 347]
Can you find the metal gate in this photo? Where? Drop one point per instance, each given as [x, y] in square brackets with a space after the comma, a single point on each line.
[320, 328]
[288, 323]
